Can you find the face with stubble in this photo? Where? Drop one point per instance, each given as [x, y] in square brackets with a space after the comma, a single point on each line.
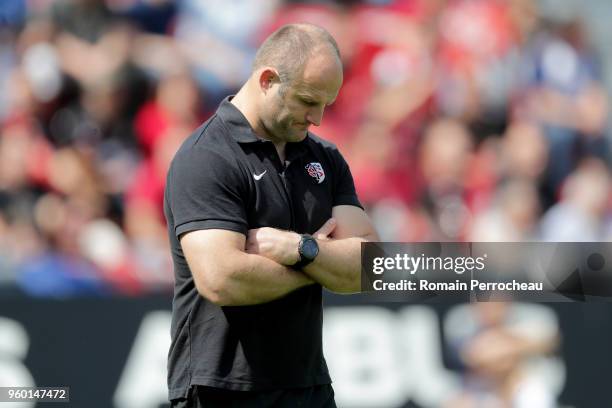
[288, 109]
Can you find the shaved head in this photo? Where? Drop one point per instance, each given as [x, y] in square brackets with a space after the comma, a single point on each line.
[297, 73]
[289, 48]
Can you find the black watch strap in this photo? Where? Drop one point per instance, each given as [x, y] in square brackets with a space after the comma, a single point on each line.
[308, 249]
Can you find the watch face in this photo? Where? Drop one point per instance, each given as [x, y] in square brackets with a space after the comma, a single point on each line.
[310, 249]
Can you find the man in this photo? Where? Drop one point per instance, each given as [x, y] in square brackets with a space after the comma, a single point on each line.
[242, 194]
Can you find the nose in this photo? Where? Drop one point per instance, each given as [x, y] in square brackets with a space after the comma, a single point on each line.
[315, 116]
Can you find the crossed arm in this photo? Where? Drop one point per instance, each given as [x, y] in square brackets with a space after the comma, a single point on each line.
[231, 269]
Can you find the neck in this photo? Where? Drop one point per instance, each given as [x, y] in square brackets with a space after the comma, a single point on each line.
[245, 103]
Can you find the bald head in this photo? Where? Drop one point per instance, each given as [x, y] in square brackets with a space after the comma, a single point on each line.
[289, 48]
[297, 73]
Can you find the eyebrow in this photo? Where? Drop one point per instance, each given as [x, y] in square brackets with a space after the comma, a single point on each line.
[305, 95]
[310, 98]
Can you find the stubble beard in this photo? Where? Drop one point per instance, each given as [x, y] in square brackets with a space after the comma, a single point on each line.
[283, 131]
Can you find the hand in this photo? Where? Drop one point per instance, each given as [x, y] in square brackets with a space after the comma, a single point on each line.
[326, 229]
[282, 246]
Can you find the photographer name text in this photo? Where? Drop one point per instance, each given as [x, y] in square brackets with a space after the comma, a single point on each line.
[474, 284]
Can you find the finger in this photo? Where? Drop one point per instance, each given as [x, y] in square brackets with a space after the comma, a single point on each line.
[251, 247]
[251, 238]
[254, 233]
[326, 229]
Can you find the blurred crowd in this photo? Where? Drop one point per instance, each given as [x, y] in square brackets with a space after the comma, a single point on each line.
[462, 120]
[504, 351]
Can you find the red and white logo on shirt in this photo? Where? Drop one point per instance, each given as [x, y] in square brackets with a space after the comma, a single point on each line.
[315, 170]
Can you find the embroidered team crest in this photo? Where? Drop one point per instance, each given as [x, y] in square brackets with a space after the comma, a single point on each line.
[315, 170]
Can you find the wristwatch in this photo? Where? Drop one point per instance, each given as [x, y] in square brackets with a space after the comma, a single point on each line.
[308, 249]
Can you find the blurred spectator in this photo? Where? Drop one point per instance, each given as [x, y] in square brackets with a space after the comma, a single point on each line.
[475, 53]
[524, 152]
[565, 96]
[584, 209]
[376, 163]
[512, 216]
[175, 105]
[461, 119]
[499, 344]
[445, 157]
[84, 19]
[218, 39]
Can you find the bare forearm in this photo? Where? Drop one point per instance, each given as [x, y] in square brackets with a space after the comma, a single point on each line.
[253, 279]
[338, 265]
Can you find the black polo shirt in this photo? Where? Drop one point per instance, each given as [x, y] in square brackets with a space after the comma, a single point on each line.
[225, 177]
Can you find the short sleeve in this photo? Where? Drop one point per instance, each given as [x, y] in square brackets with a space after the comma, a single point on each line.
[204, 191]
[344, 186]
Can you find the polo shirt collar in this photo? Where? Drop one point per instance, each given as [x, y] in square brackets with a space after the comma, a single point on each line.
[242, 132]
[238, 125]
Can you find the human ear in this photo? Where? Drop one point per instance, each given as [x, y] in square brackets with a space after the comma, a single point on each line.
[267, 78]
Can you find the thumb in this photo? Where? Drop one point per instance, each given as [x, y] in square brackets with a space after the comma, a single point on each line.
[326, 229]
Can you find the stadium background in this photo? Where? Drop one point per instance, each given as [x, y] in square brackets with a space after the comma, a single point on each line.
[468, 120]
